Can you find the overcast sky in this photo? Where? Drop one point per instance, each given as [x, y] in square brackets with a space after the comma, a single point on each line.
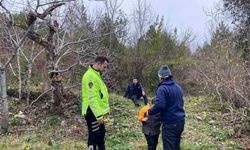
[183, 14]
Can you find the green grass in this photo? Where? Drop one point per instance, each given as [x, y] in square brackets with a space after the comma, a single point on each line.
[203, 130]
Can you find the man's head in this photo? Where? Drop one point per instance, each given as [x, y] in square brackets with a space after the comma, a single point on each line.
[101, 63]
[164, 72]
[135, 81]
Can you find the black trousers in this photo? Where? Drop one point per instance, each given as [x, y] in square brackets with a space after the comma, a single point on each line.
[135, 99]
[171, 135]
[152, 141]
[96, 132]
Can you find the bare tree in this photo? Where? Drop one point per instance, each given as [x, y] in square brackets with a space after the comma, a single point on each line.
[7, 26]
[71, 39]
[112, 7]
[33, 53]
[142, 17]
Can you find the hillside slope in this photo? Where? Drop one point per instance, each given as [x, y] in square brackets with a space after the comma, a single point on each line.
[45, 131]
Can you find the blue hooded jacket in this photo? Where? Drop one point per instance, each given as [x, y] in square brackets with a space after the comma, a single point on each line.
[169, 102]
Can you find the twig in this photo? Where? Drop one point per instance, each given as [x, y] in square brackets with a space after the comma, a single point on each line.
[41, 96]
[49, 10]
[72, 86]
[64, 70]
[8, 12]
[62, 1]
[37, 55]
[82, 41]
[17, 46]
[12, 69]
[38, 5]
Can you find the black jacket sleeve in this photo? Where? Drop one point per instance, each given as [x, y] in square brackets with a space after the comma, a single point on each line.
[127, 91]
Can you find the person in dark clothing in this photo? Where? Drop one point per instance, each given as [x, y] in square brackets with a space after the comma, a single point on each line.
[135, 91]
[150, 126]
[151, 130]
[169, 102]
[96, 132]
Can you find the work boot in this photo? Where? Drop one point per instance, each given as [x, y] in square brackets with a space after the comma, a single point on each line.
[101, 147]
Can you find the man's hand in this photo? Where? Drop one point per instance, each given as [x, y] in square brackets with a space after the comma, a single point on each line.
[101, 121]
[143, 93]
[145, 119]
[146, 114]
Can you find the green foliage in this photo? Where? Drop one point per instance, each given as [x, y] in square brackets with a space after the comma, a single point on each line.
[157, 47]
[31, 138]
[52, 120]
[218, 64]
[240, 12]
[123, 128]
[19, 18]
[222, 134]
[14, 121]
[124, 131]
[106, 25]
[203, 129]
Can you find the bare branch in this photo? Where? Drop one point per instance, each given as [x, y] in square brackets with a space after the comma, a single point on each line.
[65, 53]
[64, 70]
[12, 69]
[49, 10]
[72, 86]
[45, 92]
[17, 46]
[8, 12]
[37, 5]
[55, 2]
[37, 55]
[24, 56]
[84, 40]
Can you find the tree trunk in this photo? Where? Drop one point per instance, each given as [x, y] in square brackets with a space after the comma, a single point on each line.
[28, 83]
[19, 76]
[57, 93]
[3, 96]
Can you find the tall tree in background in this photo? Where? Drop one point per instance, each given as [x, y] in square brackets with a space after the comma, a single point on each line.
[220, 72]
[240, 11]
[142, 17]
[114, 21]
[112, 8]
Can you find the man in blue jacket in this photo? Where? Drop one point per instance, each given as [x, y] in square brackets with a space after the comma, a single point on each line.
[135, 91]
[169, 102]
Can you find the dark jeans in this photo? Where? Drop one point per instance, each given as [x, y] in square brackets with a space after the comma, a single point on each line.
[152, 141]
[171, 135]
[135, 99]
[96, 132]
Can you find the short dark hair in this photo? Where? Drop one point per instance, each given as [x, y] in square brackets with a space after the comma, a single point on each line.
[101, 59]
